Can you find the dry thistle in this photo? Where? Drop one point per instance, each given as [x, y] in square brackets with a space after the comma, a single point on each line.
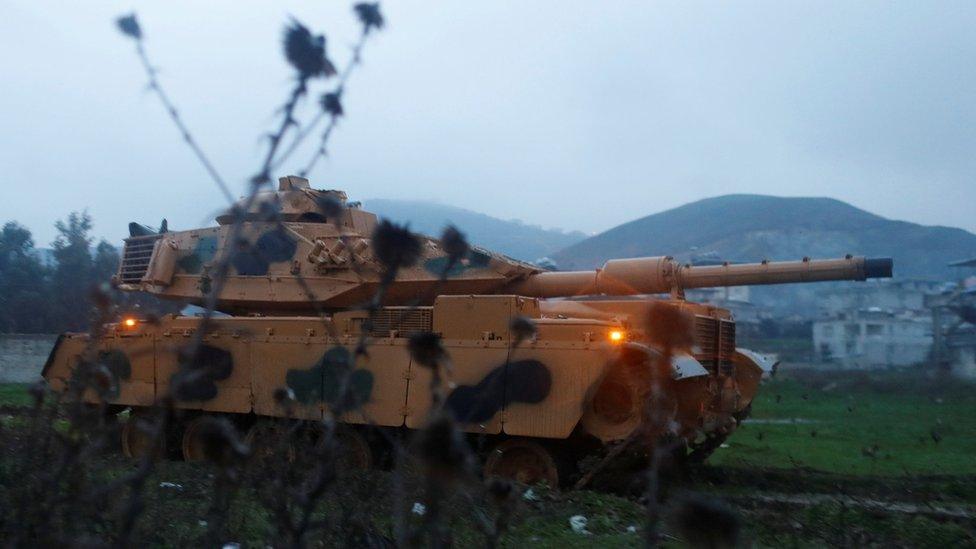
[670, 328]
[395, 246]
[369, 15]
[129, 26]
[442, 448]
[522, 329]
[306, 52]
[426, 349]
[330, 207]
[455, 244]
[331, 103]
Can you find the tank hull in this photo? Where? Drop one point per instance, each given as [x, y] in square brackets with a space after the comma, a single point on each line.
[571, 380]
[602, 366]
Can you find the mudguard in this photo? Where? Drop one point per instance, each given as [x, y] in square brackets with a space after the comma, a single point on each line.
[684, 366]
[750, 368]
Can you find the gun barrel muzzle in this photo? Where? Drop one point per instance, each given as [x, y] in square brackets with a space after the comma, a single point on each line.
[652, 275]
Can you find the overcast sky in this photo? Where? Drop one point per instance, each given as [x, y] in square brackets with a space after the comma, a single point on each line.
[579, 115]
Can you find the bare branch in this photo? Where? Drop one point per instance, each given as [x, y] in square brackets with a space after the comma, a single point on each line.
[130, 27]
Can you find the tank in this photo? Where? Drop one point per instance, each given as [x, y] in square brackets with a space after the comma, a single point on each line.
[552, 367]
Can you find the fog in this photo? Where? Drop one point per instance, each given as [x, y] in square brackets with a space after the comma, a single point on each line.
[579, 115]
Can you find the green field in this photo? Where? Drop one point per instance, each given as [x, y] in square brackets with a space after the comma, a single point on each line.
[893, 425]
[848, 424]
[14, 394]
[826, 460]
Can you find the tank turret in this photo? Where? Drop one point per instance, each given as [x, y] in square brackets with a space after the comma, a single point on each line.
[296, 201]
[293, 240]
[298, 239]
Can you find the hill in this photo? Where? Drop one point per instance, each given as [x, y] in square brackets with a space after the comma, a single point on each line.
[513, 238]
[752, 227]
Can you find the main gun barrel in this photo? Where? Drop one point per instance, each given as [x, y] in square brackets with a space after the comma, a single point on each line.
[655, 275]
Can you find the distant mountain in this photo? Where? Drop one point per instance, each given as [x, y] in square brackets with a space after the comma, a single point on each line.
[512, 238]
[753, 227]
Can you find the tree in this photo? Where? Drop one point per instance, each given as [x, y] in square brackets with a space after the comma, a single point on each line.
[15, 242]
[105, 263]
[73, 276]
[35, 298]
[23, 281]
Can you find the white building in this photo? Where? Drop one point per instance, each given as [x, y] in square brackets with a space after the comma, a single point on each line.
[962, 345]
[890, 295]
[873, 338]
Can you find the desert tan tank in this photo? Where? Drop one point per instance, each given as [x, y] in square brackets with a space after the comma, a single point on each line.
[602, 343]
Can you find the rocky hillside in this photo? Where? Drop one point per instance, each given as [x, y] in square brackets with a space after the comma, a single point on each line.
[518, 240]
[752, 227]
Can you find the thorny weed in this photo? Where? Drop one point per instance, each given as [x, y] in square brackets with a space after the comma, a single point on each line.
[290, 465]
[129, 26]
[291, 493]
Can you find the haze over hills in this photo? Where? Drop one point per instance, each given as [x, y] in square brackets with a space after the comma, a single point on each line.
[732, 227]
[744, 227]
[512, 238]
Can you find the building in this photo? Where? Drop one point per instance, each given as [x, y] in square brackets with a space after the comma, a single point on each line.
[887, 294]
[954, 325]
[876, 324]
[873, 338]
[961, 346]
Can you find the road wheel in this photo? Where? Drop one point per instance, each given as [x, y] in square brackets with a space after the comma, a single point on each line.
[137, 440]
[267, 440]
[192, 443]
[524, 461]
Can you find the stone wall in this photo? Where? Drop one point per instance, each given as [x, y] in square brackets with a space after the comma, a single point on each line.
[22, 356]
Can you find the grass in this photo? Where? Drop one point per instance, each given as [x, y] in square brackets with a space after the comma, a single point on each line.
[840, 423]
[847, 425]
[177, 503]
[837, 525]
[892, 437]
[14, 394]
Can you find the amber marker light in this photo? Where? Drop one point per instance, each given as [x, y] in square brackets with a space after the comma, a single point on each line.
[129, 322]
[616, 336]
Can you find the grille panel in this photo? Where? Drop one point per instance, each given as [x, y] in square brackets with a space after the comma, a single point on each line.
[135, 258]
[404, 320]
[706, 337]
[726, 346]
[715, 339]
